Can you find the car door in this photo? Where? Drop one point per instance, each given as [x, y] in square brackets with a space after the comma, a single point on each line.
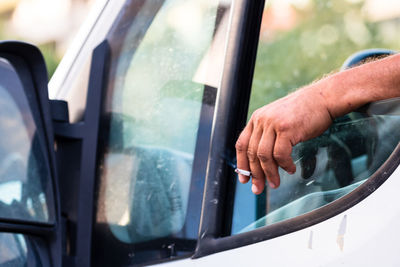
[29, 205]
[175, 96]
[140, 203]
[330, 212]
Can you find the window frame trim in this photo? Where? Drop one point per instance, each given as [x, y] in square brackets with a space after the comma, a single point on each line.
[230, 117]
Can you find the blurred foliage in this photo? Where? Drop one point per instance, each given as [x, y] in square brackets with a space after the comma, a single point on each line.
[48, 50]
[327, 32]
[50, 56]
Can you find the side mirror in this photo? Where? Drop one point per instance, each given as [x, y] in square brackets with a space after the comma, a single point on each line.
[27, 169]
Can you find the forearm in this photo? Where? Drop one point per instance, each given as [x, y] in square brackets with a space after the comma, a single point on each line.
[348, 90]
[267, 140]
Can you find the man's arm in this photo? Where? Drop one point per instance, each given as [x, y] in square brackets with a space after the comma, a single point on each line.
[267, 140]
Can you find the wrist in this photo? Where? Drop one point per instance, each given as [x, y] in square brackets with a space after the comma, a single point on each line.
[343, 93]
[350, 89]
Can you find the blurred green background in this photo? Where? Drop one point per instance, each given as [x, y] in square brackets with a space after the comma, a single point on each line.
[301, 40]
[49, 24]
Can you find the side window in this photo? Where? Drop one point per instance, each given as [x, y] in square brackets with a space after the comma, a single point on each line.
[166, 64]
[300, 41]
[13, 250]
[18, 250]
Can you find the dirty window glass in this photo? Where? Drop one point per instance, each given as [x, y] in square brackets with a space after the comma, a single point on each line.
[17, 250]
[301, 41]
[167, 59]
[24, 172]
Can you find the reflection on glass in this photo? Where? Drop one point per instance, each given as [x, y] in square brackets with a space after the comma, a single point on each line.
[332, 165]
[301, 41]
[13, 250]
[158, 93]
[17, 250]
[24, 174]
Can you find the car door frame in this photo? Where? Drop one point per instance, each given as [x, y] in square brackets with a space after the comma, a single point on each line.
[230, 118]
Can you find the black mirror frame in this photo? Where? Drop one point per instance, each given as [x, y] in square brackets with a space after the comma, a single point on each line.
[29, 65]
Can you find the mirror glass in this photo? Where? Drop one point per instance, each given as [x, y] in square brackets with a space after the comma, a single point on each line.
[24, 170]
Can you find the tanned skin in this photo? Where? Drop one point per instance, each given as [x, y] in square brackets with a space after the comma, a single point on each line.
[267, 140]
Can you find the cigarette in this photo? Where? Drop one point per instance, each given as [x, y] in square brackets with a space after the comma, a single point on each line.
[243, 172]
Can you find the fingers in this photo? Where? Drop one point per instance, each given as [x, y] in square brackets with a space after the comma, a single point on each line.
[283, 154]
[262, 151]
[241, 152]
[265, 155]
[257, 173]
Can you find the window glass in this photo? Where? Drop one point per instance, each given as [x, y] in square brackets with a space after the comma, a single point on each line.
[24, 172]
[167, 59]
[301, 41]
[17, 250]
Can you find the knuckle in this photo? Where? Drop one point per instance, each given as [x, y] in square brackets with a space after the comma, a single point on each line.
[258, 117]
[297, 138]
[240, 146]
[256, 114]
[251, 155]
[283, 126]
[271, 174]
[263, 157]
[270, 177]
[280, 157]
[256, 177]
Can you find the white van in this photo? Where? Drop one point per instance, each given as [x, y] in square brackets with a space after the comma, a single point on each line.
[132, 162]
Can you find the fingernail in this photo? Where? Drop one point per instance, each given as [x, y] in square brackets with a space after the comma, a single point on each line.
[242, 179]
[254, 188]
[272, 185]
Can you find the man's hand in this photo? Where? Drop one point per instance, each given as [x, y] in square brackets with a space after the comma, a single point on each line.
[266, 142]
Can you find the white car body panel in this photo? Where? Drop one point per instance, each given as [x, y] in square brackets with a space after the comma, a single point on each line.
[73, 69]
[369, 233]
